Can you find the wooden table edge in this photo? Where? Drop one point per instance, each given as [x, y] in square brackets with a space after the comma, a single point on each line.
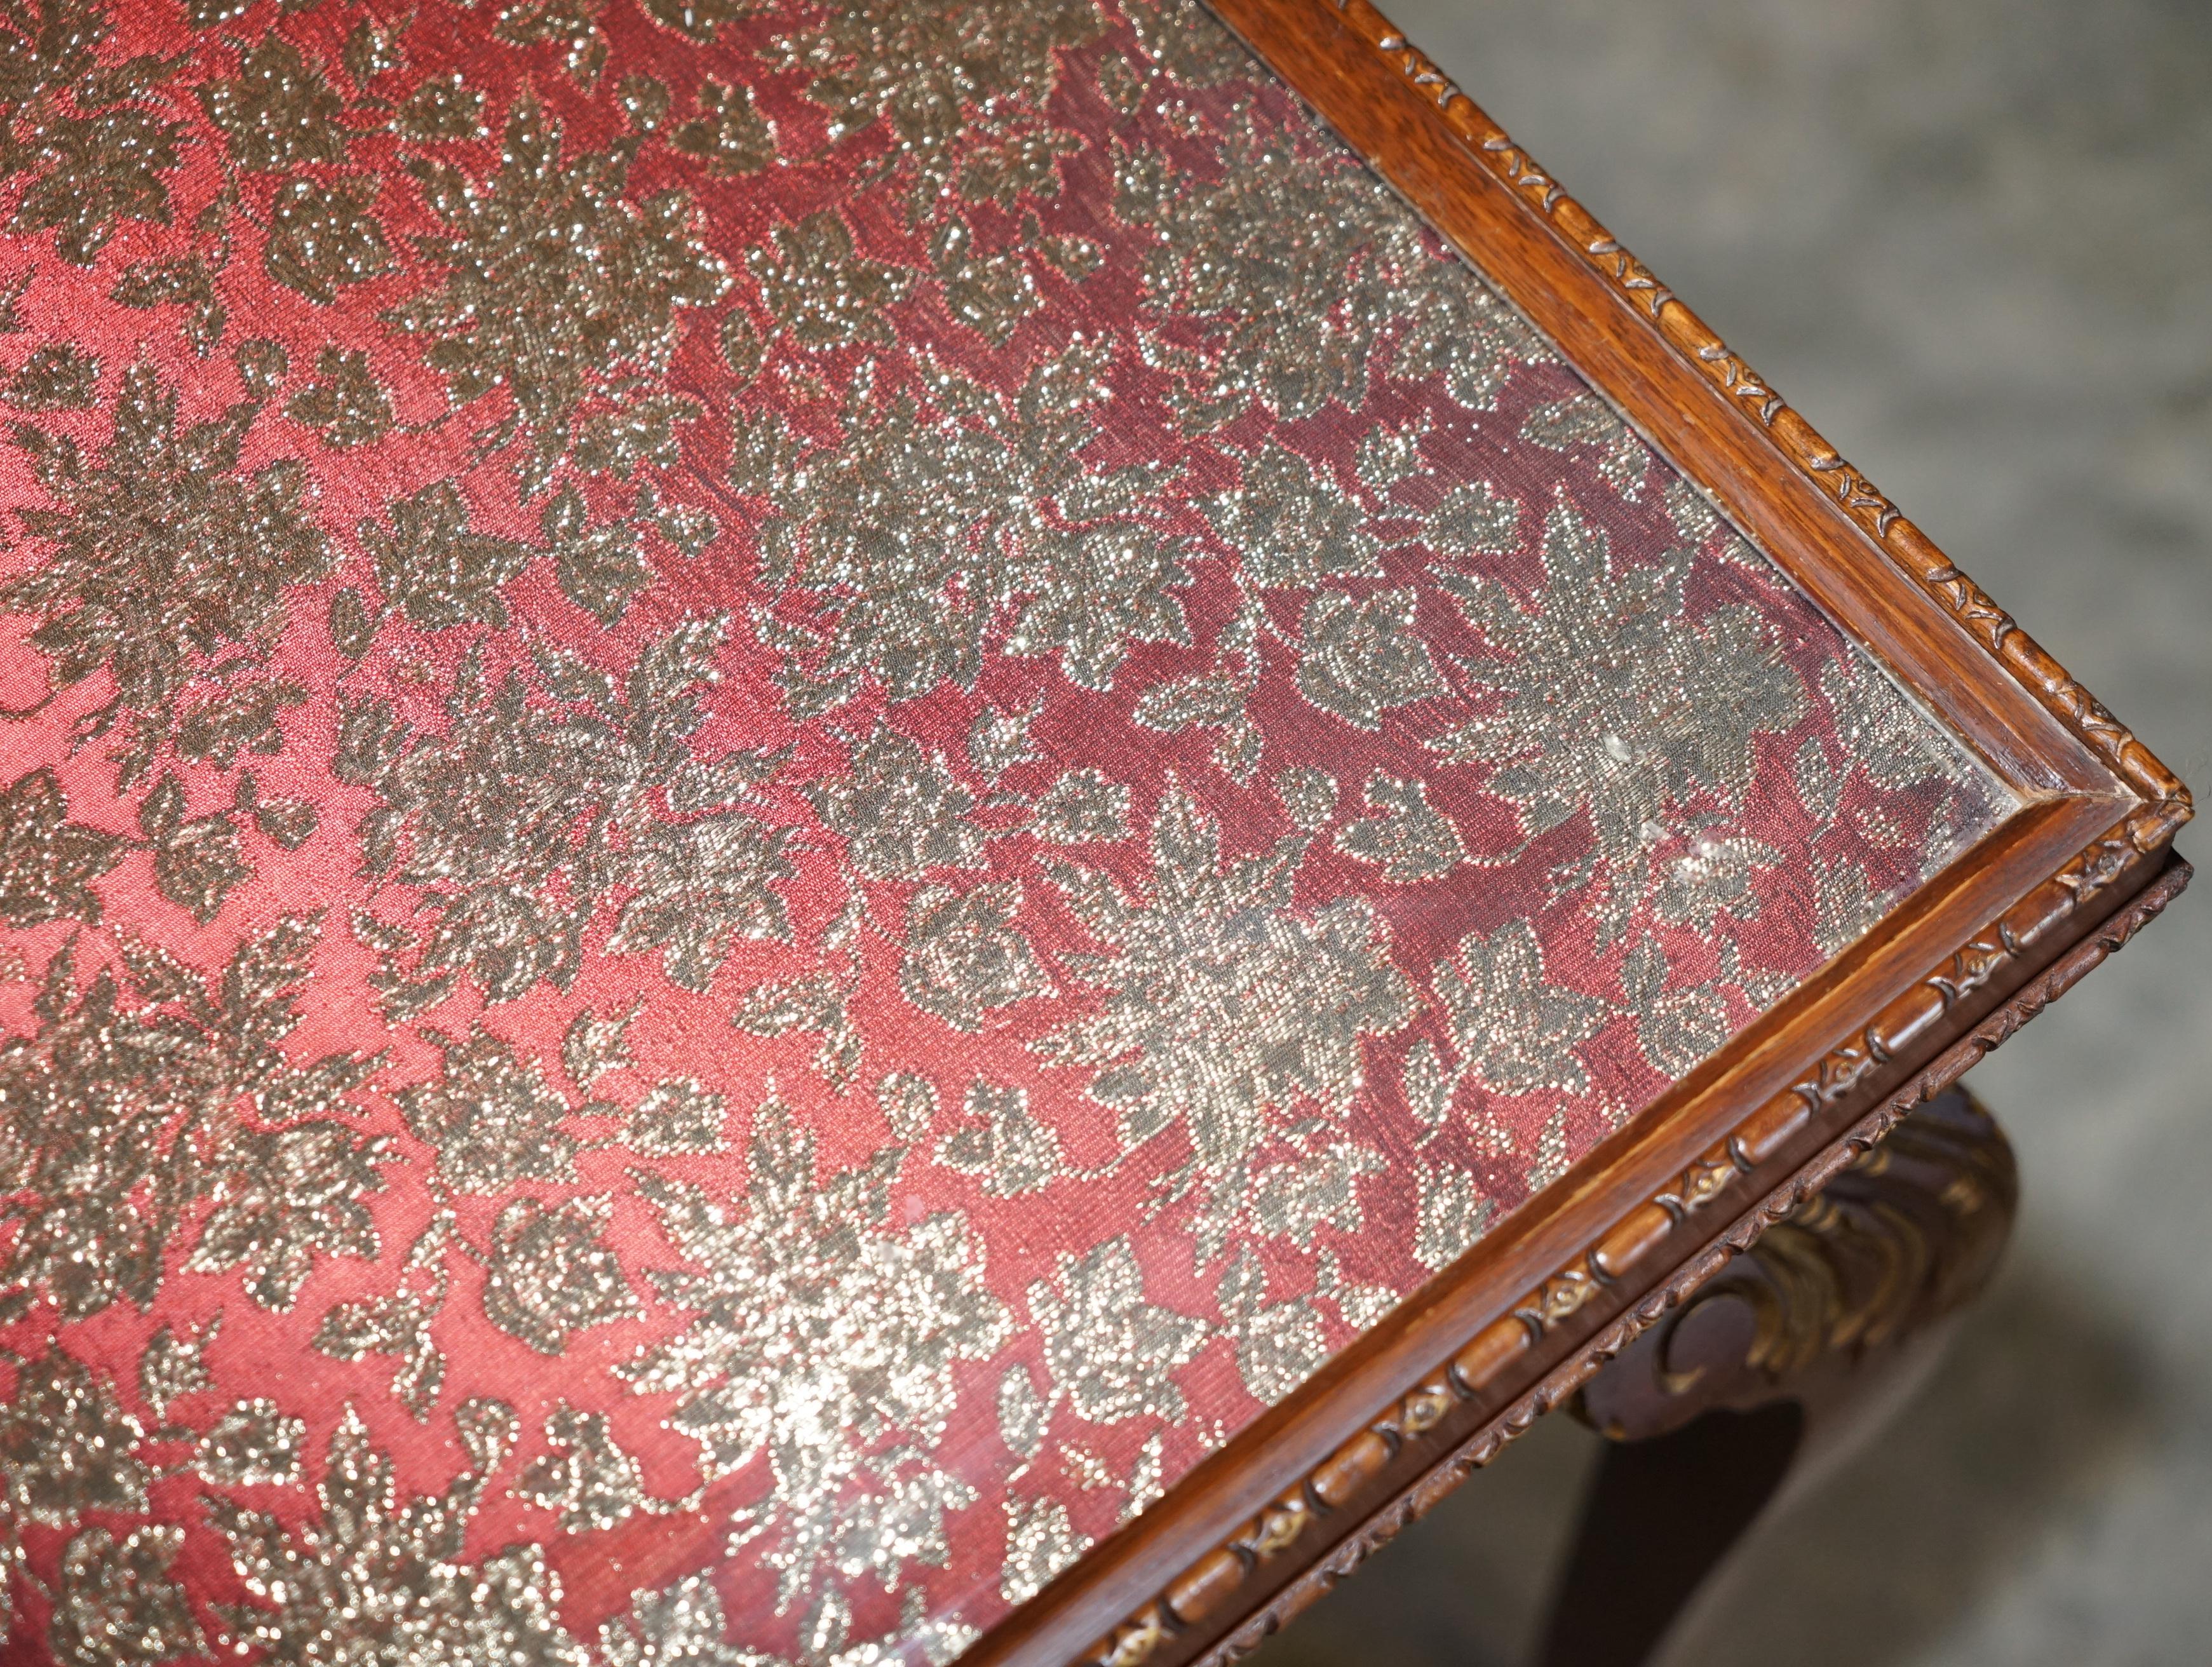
[1187, 1572]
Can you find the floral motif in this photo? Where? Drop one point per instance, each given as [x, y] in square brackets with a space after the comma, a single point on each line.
[154, 1099]
[587, 1477]
[1290, 526]
[1081, 808]
[160, 557]
[118, 1602]
[60, 376]
[533, 812]
[1040, 1542]
[1362, 658]
[66, 1446]
[678, 1114]
[964, 955]
[47, 860]
[679, 1626]
[902, 811]
[926, 72]
[491, 1118]
[555, 282]
[1278, 1344]
[918, 537]
[323, 237]
[548, 1272]
[345, 403]
[825, 1339]
[1659, 708]
[1243, 251]
[1408, 838]
[1009, 1149]
[1223, 1003]
[252, 1445]
[1111, 1352]
[822, 292]
[1516, 1030]
[80, 134]
[966, 534]
[277, 110]
[727, 134]
[379, 1582]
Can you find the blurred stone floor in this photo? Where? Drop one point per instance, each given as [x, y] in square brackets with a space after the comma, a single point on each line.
[1973, 242]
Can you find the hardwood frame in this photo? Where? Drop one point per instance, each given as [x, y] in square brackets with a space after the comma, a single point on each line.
[1302, 1495]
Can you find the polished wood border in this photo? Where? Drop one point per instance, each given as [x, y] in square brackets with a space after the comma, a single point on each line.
[1986, 943]
[1394, 1496]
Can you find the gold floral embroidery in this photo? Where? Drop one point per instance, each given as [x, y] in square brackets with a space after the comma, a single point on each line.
[679, 1626]
[1003, 1144]
[683, 1625]
[944, 80]
[171, 1367]
[1515, 1029]
[160, 556]
[1278, 1344]
[60, 376]
[1362, 657]
[535, 811]
[66, 1447]
[443, 107]
[1613, 701]
[1111, 1352]
[557, 286]
[918, 537]
[956, 501]
[252, 1444]
[549, 1273]
[1040, 1542]
[1241, 254]
[965, 957]
[118, 1602]
[398, 1324]
[1223, 1003]
[1408, 838]
[47, 862]
[1082, 807]
[79, 131]
[491, 1117]
[587, 1477]
[119, 1122]
[380, 1581]
[323, 238]
[345, 403]
[678, 1114]
[727, 134]
[277, 110]
[825, 1339]
[900, 811]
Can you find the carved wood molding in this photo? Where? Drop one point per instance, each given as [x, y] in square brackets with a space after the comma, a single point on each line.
[1908, 1231]
[1214, 1583]
[1695, 343]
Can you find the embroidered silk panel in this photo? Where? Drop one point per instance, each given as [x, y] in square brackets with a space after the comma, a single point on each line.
[787, 786]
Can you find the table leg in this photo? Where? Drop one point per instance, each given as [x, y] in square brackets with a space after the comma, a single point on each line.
[1774, 1366]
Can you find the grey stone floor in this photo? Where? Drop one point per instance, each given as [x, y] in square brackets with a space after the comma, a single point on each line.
[1973, 242]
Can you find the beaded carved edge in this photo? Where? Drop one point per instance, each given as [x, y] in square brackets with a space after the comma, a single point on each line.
[1213, 1580]
[1383, 1523]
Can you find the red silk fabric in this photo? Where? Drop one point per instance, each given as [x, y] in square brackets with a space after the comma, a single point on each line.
[783, 789]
